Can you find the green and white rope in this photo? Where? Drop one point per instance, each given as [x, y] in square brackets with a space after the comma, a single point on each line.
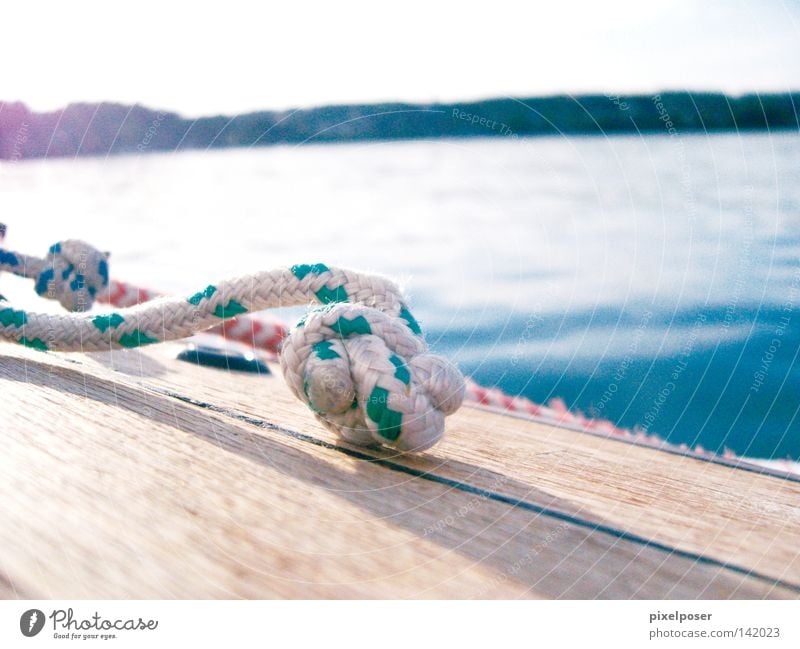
[359, 361]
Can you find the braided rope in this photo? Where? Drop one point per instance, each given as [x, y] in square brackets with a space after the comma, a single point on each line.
[359, 361]
[259, 331]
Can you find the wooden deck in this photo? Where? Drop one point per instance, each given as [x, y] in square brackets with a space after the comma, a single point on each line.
[136, 475]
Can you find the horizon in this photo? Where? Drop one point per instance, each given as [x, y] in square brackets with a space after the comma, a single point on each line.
[461, 101]
[92, 129]
[282, 58]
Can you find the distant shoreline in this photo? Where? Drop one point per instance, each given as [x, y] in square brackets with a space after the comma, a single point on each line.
[112, 129]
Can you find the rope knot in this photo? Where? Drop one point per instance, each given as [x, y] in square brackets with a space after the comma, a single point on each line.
[369, 376]
[72, 273]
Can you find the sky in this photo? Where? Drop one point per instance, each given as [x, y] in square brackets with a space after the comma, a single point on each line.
[234, 56]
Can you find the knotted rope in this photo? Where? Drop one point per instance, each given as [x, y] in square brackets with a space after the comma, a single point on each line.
[72, 273]
[359, 362]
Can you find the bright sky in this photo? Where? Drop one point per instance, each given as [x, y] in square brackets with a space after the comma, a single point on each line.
[233, 56]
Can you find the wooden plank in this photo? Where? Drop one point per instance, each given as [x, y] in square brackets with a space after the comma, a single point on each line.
[124, 504]
[116, 485]
[730, 515]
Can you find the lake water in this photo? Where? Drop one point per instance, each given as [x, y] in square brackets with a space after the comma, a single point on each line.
[650, 280]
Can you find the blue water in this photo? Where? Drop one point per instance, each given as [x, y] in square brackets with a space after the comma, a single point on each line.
[652, 281]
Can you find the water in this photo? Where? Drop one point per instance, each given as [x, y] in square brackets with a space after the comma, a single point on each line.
[650, 280]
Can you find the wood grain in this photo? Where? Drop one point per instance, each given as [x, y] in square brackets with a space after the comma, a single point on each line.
[9, 591]
[134, 475]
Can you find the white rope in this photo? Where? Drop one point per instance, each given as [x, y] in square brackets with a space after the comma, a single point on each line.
[359, 362]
